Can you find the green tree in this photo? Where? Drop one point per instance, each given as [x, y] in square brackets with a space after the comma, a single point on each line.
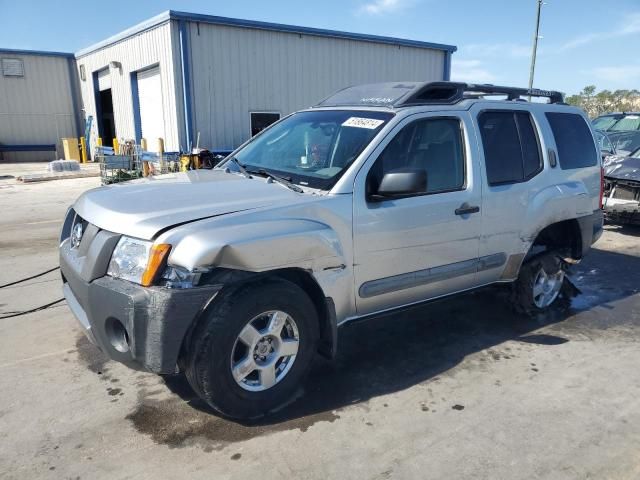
[596, 103]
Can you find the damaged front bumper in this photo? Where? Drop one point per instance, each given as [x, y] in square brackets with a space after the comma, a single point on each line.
[142, 327]
[138, 326]
[621, 202]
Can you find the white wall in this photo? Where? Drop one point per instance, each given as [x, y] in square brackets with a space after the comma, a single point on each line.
[238, 70]
[37, 108]
[152, 47]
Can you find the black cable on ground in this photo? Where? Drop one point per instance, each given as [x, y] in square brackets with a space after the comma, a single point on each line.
[29, 278]
[37, 309]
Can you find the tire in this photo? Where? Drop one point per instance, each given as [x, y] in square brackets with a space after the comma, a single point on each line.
[526, 296]
[216, 346]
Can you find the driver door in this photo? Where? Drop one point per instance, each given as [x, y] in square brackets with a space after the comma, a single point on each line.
[425, 245]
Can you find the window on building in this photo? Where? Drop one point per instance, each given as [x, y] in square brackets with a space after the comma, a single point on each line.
[261, 120]
[434, 145]
[574, 141]
[511, 148]
[12, 67]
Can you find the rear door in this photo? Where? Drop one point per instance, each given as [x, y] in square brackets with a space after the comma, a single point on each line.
[512, 152]
[422, 246]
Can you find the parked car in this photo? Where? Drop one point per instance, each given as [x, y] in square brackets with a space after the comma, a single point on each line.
[378, 198]
[622, 188]
[618, 122]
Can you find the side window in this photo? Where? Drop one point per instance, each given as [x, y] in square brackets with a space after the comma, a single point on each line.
[511, 148]
[573, 139]
[434, 145]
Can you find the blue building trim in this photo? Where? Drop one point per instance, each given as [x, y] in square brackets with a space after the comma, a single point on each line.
[42, 53]
[48, 147]
[96, 99]
[135, 100]
[277, 27]
[447, 66]
[129, 32]
[185, 69]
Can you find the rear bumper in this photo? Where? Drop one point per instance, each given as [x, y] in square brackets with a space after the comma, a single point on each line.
[591, 227]
[155, 319]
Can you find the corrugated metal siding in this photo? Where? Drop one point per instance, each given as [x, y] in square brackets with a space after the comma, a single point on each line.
[152, 47]
[38, 107]
[238, 70]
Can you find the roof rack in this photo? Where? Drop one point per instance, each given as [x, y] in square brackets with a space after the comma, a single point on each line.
[404, 94]
[453, 92]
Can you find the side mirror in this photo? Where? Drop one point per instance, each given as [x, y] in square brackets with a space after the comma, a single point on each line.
[401, 182]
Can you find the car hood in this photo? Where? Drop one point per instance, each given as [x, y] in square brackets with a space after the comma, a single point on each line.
[622, 168]
[142, 208]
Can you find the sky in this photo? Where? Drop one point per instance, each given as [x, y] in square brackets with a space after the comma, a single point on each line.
[584, 42]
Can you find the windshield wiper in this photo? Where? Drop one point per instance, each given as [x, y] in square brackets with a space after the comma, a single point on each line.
[243, 170]
[281, 180]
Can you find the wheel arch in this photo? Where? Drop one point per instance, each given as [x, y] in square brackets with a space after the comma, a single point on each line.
[324, 306]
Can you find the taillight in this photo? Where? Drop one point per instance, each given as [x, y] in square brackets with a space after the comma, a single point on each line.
[601, 186]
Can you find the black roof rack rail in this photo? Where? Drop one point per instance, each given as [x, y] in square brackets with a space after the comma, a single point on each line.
[449, 93]
[404, 94]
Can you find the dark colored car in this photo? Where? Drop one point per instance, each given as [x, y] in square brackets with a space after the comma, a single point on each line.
[622, 177]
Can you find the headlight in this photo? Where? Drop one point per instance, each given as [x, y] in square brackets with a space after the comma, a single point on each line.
[137, 260]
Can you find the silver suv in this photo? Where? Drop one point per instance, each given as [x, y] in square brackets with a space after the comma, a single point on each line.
[380, 197]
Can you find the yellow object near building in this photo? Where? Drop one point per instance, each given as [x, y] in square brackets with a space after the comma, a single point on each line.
[83, 149]
[71, 150]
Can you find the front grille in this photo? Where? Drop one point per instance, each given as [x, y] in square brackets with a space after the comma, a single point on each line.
[89, 259]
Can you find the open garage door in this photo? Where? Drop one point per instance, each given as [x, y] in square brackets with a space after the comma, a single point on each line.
[150, 101]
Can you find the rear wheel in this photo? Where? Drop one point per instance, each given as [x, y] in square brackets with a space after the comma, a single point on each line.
[539, 284]
[249, 354]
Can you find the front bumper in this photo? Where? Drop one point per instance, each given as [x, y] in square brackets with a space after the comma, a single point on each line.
[142, 327]
[155, 319]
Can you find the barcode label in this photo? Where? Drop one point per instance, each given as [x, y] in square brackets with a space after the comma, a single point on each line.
[358, 122]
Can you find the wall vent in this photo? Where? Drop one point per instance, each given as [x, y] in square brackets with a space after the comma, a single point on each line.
[12, 67]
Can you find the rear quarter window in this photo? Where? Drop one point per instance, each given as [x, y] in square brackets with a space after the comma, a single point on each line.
[574, 141]
[511, 149]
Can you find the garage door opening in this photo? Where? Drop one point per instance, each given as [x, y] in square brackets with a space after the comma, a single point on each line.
[104, 106]
[106, 120]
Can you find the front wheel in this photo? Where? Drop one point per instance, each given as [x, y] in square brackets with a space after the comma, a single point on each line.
[249, 354]
[539, 284]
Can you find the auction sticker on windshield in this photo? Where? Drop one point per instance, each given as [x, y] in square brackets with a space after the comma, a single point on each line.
[359, 122]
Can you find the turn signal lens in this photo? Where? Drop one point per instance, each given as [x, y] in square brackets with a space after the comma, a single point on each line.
[157, 259]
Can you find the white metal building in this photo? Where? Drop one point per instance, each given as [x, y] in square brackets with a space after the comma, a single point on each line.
[181, 76]
[39, 104]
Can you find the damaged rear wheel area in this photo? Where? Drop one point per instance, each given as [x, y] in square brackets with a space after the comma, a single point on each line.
[541, 284]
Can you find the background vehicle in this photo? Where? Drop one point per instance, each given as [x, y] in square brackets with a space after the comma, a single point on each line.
[622, 187]
[618, 122]
[380, 197]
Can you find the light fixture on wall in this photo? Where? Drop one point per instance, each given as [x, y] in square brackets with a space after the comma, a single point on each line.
[116, 65]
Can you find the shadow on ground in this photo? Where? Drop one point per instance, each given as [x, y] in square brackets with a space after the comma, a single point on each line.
[397, 351]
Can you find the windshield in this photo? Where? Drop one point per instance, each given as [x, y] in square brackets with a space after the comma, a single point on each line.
[312, 148]
[628, 122]
[605, 122]
[625, 142]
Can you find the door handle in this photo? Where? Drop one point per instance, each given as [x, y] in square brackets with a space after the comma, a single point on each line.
[466, 209]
